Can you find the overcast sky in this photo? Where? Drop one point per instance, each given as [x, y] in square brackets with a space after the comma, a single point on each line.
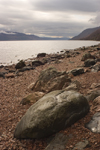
[50, 18]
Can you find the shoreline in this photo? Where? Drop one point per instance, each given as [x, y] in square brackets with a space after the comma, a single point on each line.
[23, 51]
[50, 54]
[14, 87]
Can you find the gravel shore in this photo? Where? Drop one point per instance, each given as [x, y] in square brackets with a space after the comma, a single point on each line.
[14, 89]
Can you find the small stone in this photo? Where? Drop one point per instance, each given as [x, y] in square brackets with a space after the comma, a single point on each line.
[81, 145]
[10, 75]
[77, 71]
[89, 62]
[58, 142]
[20, 64]
[94, 124]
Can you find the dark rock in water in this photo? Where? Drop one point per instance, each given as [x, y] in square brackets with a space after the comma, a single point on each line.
[50, 80]
[77, 71]
[94, 124]
[62, 51]
[67, 51]
[89, 62]
[20, 64]
[36, 63]
[58, 143]
[52, 113]
[41, 55]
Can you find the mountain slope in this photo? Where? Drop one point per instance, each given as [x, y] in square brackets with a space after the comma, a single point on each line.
[85, 33]
[14, 36]
[94, 36]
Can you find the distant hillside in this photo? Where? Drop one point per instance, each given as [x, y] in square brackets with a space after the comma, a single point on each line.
[14, 36]
[85, 33]
[48, 38]
[7, 36]
[94, 36]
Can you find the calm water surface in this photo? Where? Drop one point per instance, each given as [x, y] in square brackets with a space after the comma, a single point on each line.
[12, 51]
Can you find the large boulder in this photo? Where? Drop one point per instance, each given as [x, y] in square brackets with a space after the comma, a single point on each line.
[50, 80]
[52, 113]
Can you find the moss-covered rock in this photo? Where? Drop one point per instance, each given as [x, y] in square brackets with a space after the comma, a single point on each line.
[50, 80]
[52, 113]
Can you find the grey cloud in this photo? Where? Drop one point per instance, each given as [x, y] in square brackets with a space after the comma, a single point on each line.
[96, 20]
[67, 5]
[55, 29]
[46, 28]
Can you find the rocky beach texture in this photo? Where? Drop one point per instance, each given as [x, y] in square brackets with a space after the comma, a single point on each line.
[25, 84]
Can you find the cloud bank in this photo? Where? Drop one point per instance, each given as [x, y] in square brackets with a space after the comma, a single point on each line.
[50, 18]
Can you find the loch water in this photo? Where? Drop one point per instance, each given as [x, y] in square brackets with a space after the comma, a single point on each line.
[13, 51]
